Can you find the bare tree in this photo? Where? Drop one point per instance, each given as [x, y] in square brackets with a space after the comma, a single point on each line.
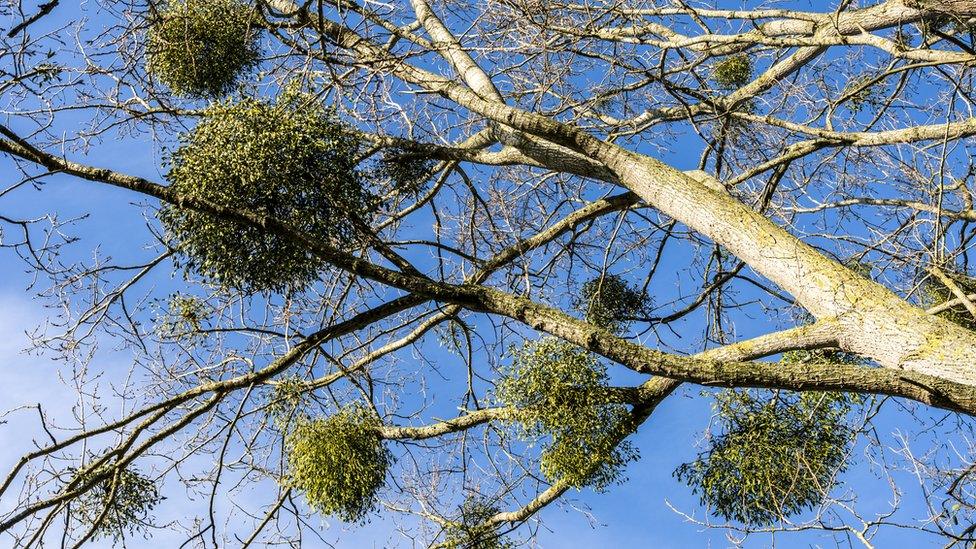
[381, 213]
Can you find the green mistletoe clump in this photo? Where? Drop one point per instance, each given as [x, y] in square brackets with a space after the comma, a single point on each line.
[470, 531]
[183, 317]
[124, 509]
[291, 161]
[774, 453]
[339, 463]
[407, 172]
[559, 392]
[200, 48]
[733, 72]
[287, 400]
[863, 93]
[934, 293]
[609, 302]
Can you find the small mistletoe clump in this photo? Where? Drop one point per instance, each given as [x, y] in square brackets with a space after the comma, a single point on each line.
[775, 454]
[406, 171]
[291, 161]
[200, 48]
[608, 301]
[733, 72]
[863, 93]
[934, 293]
[287, 400]
[339, 463]
[559, 392]
[183, 317]
[470, 531]
[944, 24]
[128, 507]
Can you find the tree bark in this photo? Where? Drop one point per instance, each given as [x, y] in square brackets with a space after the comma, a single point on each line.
[873, 321]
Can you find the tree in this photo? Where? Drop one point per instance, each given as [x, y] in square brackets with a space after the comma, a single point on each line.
[356, 203]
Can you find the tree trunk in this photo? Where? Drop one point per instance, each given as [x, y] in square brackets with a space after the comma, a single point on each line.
[874, 322]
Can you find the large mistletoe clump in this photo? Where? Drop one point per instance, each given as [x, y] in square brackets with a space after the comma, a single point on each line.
[291, 161]
[339, 463]
[774, 454]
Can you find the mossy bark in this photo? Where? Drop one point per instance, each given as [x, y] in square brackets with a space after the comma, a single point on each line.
[872, 320]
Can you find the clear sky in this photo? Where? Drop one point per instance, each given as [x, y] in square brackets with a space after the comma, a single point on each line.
[642, 512]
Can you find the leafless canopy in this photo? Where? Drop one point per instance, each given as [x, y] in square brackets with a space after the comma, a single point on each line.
[741, 165]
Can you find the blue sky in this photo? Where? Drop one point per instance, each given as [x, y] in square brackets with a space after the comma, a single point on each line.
[633, 514]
